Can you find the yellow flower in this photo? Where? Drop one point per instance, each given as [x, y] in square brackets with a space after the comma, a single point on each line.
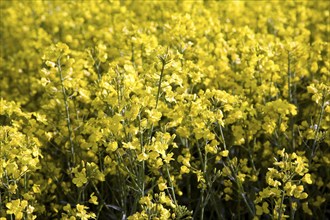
[259, 210]
[12, 188]
[165, 200]
[184, 170]
[154, 115]
[162, 186]
[210, 149]
[80, 178]
[83, 214]
[224, 153]
[16, 207]
[93, 199]
[142, 157]
[228, 190]
[158, 163]
[146, 200]
[265, 208]
[168, 157]
[319, 201]
[306, 209]
[36, 188]
[129, 145]
[307, 178]
[289, 188]
[102, 55]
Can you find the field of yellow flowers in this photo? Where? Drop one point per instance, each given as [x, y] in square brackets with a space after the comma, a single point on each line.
[164, 110]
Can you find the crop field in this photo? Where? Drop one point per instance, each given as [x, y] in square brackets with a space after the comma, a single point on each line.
[164, 110]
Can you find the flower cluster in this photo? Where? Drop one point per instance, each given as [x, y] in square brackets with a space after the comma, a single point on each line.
[285, 186]
[164, 109]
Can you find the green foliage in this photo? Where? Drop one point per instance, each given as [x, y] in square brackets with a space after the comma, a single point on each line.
[164, 110]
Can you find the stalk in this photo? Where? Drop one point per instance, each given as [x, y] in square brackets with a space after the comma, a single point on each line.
[223, 137]
[97, 67]
[317, 130]
[291, 210]
[280, 211]
[289, 77]
[291, 100]
[66, 104]
[238, 182]
[142, 174]
[163, 60]
[202, 201]
[203, 190]
[171, 185]
[160, 81]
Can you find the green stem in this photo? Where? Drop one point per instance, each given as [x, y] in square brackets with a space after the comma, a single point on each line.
[158, 91]
[241, 190]
[317, 130]
[291, 99]
[291, 210]
[171, 185]
[66, 104]
[103, 204]
[118, 86]
[203, 190]
[160, 81]
[97, 67]
[142, 176]
[223, 137]
[289, 77]
[203, 161]
[142, 173]
[281, 205]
